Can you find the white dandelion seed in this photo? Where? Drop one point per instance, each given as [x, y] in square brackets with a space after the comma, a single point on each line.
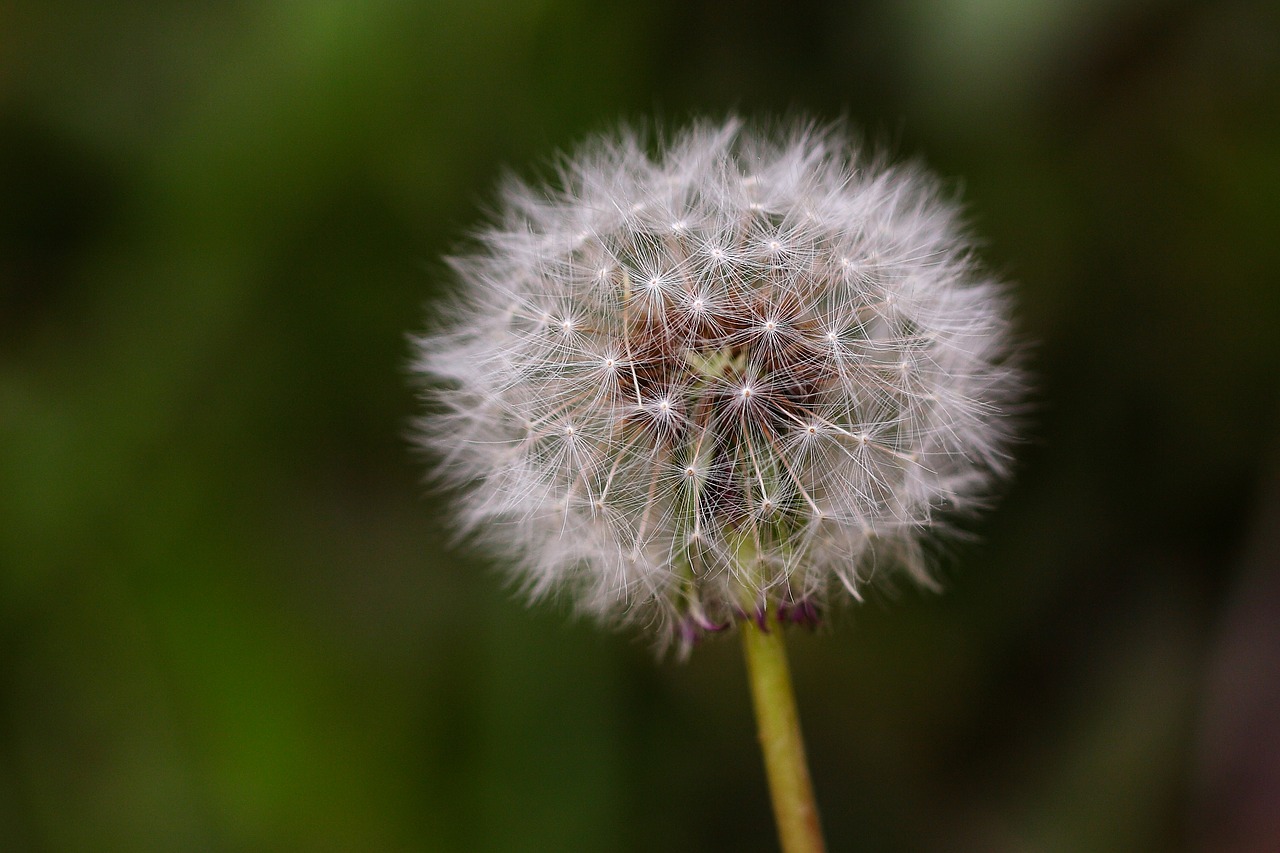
[780, 366]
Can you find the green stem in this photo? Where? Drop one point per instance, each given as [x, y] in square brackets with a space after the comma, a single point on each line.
[794, 808]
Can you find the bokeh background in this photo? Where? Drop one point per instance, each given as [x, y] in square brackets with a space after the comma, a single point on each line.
[230, 619]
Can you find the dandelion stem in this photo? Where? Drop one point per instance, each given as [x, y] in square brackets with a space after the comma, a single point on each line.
[778, 725]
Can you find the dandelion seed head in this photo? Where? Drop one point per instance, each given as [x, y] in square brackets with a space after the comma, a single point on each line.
[736, 373]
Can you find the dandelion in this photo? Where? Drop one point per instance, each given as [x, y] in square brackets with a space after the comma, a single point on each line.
[724, 383]
[730, 379]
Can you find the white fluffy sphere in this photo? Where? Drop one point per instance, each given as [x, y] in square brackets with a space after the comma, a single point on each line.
[729, 377]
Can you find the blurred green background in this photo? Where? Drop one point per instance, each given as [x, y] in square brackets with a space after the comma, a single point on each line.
[229, 616]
